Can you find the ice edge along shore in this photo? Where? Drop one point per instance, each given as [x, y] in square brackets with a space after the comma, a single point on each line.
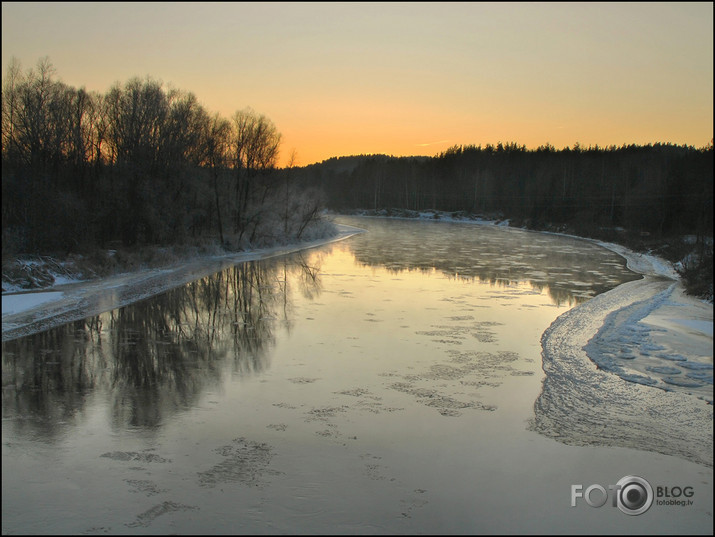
[581, 404]
[28, 313]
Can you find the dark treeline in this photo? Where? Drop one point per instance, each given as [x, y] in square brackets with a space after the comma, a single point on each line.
[661, 189]
[138, 165]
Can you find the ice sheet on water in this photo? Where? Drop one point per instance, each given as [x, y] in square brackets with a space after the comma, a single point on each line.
[705, 327]
[583, 405]
[624, 346]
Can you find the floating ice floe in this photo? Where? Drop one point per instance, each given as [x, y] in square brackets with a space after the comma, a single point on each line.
[673, 357]
[682, 382]
[647, 348]
[697, 366]
[638, 379]
[704, 377]
[664, 370]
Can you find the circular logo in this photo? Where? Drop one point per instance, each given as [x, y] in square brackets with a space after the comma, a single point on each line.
[634, 495]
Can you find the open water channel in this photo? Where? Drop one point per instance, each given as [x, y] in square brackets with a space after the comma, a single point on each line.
[382, 384]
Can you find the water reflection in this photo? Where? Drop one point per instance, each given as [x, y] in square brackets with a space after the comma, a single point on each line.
[148, 361]
[155, 357]
[570, 270]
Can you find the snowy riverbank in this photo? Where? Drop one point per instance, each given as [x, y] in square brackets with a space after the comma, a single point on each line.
[632, 368]
[29, 312]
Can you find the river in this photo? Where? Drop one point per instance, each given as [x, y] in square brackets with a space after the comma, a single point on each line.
[383, 384]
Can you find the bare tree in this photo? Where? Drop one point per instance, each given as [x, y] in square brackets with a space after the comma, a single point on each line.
[10, 105]
[31, 125]
[255, 149]
[292, 163]
[216, 138]
[137, 114]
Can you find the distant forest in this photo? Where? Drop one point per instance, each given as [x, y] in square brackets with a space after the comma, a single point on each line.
[661, 189]
[138, 165]
[144, 165]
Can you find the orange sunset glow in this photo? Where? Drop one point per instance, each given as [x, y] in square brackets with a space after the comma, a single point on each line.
[400, 78]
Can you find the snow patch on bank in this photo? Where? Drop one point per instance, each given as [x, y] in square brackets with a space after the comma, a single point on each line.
[19, 303]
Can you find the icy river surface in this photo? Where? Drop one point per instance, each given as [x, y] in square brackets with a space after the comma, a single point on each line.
[389, 383]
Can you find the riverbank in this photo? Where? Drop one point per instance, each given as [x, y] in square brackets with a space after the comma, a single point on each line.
[29, 312]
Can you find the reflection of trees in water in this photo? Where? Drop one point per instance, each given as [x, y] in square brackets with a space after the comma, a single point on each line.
[304, 268]
[569, 270]
[47, 377]
[154, 357]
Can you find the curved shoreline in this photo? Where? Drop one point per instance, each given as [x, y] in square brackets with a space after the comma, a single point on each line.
[86, 299]
[580, 404]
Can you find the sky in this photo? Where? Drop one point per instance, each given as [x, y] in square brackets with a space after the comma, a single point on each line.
[405, 78]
